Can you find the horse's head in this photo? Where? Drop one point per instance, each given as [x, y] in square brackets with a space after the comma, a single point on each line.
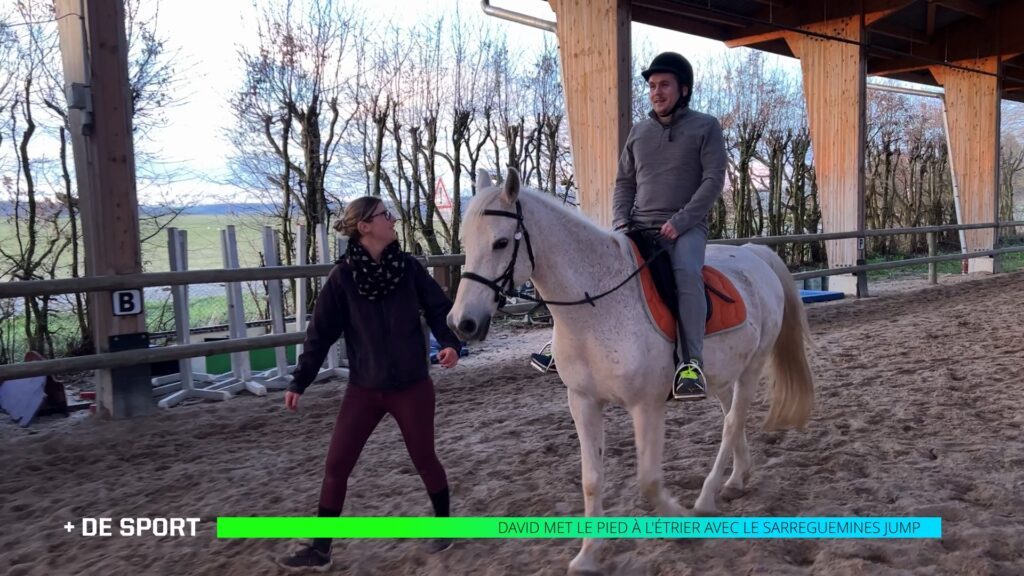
[498, 254]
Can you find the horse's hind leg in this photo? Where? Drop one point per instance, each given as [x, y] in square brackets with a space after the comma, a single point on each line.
[744, 395]
[649, 431]
[734, 442]
[744, 392]
[586, 413]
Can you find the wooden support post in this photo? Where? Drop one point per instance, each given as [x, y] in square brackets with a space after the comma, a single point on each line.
[972, 110]
[442, 275]
[834, 87]
[933, 273]
[594, 44]
[94, 51]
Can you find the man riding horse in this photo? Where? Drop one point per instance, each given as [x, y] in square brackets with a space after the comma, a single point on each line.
[670, 175]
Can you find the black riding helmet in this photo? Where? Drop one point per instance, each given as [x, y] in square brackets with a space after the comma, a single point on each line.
[673, 63]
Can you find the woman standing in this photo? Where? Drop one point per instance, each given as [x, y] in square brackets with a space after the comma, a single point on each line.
[374, 296]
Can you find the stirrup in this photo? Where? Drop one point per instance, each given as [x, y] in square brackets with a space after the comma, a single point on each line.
[544, 361]
[698, 386]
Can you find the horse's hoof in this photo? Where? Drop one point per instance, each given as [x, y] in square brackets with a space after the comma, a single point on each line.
[672, 510]
[705, 510]
[583, 569]
[584, 566]
[730, 493]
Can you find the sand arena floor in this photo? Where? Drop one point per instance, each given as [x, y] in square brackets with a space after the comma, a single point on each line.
[919, 412]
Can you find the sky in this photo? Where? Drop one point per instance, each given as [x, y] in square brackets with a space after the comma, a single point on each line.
[192, 145]
[203, 38]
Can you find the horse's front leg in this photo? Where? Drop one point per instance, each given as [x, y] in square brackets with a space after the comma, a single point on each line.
[587, 414]
[649, 430]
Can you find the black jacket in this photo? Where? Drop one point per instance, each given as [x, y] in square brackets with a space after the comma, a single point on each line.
[386, 347]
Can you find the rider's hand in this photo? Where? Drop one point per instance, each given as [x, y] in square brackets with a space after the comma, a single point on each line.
[291, 400]
[669, 231]
[448, 357]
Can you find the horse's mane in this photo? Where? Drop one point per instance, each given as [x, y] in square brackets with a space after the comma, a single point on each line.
[551, 203]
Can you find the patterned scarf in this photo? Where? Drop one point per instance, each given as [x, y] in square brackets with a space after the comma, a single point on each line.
[376, 279]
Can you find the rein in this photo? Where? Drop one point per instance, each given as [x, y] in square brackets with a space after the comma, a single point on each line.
[503, 285]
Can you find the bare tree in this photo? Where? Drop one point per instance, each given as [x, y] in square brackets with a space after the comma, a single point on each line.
[548, 118]
[290, 116]
[43, 198]
[471, 102]
[1011, 164]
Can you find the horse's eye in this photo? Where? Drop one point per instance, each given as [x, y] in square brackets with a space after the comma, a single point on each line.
[500, 244]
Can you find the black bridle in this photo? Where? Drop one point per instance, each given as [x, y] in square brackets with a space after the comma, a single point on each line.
[504, 285]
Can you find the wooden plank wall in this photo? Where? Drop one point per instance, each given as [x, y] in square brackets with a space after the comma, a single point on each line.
[972, 104]
[594, 43]
[833, 90]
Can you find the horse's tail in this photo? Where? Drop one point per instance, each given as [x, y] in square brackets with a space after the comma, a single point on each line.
[792, 388]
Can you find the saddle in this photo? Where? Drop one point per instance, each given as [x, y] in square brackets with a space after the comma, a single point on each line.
[726, 308]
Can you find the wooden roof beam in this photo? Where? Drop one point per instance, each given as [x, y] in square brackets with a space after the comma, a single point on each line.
[896, 31]
[751, 40]
[675, 21]
[969, 7]
[714, 17]
[771, 24]
[964, 40]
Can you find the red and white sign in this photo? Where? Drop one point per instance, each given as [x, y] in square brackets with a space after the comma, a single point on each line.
[441, 198]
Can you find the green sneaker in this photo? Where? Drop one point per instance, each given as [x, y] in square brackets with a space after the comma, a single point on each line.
[689, 383]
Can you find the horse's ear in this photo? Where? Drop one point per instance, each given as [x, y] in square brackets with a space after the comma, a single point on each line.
[483, 180]
[511, 191]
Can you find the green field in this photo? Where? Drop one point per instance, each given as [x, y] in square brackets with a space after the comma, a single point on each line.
[1010, 263]
[204, 242]
[207, 303]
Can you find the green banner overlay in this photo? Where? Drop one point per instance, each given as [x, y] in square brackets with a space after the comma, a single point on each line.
[577, 527]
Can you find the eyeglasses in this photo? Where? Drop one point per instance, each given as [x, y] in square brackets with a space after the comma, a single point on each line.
[386, 214]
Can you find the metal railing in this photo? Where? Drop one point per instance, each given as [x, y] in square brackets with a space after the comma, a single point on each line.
[518, 17]
[182, 351]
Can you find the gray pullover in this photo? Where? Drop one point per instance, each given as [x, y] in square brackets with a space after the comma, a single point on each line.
[674, 172]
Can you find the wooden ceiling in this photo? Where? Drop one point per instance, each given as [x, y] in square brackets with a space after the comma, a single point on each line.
[903, 37]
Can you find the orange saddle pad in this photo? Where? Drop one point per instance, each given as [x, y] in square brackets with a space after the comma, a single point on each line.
[727, 309]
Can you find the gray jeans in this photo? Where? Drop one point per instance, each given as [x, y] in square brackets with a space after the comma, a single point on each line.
[687, 254]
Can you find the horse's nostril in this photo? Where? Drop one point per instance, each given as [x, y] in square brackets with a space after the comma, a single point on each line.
[467, 327]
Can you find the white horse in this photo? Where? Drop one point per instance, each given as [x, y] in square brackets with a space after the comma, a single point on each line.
[612, 352]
